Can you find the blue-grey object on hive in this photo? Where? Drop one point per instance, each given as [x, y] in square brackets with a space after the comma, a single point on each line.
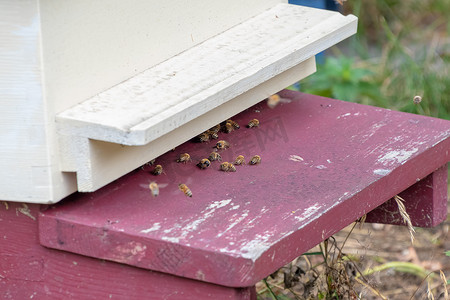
[323, 4]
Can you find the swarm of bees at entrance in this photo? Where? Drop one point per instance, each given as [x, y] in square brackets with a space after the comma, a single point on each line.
[227, 126]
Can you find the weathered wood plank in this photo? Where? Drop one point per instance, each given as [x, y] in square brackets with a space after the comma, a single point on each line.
[425, 203]
[30, 271]
[325, 163]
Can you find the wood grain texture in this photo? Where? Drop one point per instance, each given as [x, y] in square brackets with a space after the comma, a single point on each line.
[97, 163]
[325, 163]
[30, 271]
[194, 82]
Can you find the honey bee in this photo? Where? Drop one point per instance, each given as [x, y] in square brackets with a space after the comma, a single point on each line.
[239, 160]
[204, 163]
[417, 99]
[227, 167]
[154, 188]
[273, 100]
[255, 160]
[202, 137]
[158, 170]
[220, 145]
[228, 127]
[214, 156]
[234, 124]
[253, 123]
[185, 189]
[215, 129]
[213, 135]
[184, 158]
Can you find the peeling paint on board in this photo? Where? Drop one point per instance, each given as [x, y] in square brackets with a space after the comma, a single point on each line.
[396, 156]
[155, 226]
[382, 172]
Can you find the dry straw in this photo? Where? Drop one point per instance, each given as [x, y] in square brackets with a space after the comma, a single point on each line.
[405, 216]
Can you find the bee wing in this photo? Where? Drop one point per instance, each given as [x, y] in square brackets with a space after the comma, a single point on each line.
[146, 186]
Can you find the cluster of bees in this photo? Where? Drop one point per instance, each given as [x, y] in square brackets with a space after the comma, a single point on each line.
[210, 134]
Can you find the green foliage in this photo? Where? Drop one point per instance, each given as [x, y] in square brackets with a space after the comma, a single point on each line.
[400, 51]
[339, 78]
[447, 253]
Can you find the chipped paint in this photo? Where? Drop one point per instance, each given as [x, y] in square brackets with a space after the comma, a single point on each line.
[382, 172]
[396, 156]
[200, 275]
[171, 239]
[253, 249]
[155, 226]
[129, 251]
[193, 225]
[296, 158]
[237, 221]
[308, 212]
[25, 210]
[344, 115]
[235, 207]
[321, 167]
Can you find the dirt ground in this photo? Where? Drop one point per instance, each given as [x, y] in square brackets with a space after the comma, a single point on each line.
[372, 246]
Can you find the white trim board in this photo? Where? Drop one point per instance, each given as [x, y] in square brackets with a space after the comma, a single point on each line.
[206, 76]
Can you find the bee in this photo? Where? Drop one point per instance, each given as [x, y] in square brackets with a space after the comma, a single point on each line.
[273, 100]
[228, 127]
[220, 145]
[150, 163]
[184, 158]
[203, 137]
[158, 170]
[154, 188]
[417, 99]
[215, 129]
[215, 156]
[239, 160]
[234, 124]
[204, 163]
[185, 189]
[212, 134]
[253, 123]
[255, 160]
[227, 167]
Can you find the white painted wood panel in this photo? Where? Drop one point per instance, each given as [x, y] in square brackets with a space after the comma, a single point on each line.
[89, 46]
[28, 153]
[192, 83]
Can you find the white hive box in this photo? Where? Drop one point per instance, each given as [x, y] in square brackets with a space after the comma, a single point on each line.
[91, 90]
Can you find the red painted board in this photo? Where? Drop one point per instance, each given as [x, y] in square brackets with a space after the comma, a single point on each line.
[30, 271]
[425, 202]
[324, 164]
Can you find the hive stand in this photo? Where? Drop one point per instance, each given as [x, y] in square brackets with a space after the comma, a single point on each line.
[325, 163]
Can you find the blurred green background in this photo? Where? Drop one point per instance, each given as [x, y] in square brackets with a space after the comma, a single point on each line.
[401, 50]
